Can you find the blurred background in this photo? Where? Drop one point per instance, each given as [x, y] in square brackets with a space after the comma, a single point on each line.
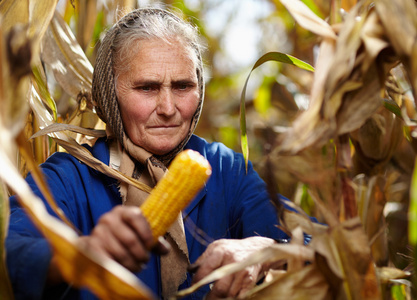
[236, 33]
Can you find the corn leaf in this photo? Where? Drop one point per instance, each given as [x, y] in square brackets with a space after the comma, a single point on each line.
[16, 57]
[307, 19]
[347, 92]
[387, 274]
[307, 283]
[87, 15]
[42, 89]
[393, 107]
[398, 292]
[356, 261]
[40, 15]
[14, 12]
[61, 51]
[86, 157]
[412, 211]
[400, 25]
[55, 127]
[371, 205]
[274, 56]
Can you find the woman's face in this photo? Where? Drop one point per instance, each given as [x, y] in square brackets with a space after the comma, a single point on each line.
[158, 95]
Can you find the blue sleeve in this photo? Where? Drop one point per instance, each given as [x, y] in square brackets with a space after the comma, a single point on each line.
[251, 211]
[28, 253]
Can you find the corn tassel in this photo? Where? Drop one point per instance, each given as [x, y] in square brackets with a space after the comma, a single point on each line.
[185, 177]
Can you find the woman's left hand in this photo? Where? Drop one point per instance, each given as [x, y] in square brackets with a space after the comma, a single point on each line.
[226, 251]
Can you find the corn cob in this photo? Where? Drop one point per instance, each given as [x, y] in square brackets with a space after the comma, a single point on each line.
[185, 177]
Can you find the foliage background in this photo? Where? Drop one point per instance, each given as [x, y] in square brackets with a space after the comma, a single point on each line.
[365, 172]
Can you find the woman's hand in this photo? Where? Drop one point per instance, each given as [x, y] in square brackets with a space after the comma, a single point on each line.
[123, 234]
[223, 252]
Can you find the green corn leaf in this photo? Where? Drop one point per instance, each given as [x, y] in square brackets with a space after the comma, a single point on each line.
[412, 212]
[44, 92]
[393, 107]
[398, 292]
[275, 56]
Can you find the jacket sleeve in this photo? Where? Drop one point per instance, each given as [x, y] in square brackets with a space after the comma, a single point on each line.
[251, 210]
[28, 253]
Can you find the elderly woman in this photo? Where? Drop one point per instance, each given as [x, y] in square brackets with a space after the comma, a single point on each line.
[148, 87]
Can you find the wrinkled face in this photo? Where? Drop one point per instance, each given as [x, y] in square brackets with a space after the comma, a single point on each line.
[158, 95]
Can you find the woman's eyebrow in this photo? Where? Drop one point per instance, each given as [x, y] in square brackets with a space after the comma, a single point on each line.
[183, 81]
[146, 82]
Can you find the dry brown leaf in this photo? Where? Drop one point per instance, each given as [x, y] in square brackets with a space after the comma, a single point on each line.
[86, 157]
[347, 92]
[55, 127]
[349, 245]
[40, 15]
[372, 200]
[376, 141]
[315, 168]
[14, 12]
[293, 220]
[386, 274]
[306, 283]
[61, 51]
[307, 19]
[87, 15]
[400, 25]
[16, 57]
[307, 127]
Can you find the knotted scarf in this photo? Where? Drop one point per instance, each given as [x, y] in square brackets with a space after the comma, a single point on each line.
[134, 160]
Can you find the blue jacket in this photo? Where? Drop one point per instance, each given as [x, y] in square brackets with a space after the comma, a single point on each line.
[233, 204]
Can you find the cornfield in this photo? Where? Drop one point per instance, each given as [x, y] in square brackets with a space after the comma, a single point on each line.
[347, 158]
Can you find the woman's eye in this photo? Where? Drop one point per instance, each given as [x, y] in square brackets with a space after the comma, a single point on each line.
[146, 88]
[183, 86]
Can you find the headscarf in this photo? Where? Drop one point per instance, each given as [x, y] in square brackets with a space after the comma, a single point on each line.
[136, 161]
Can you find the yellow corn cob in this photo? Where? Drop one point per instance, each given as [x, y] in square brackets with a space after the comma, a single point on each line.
[185, 177]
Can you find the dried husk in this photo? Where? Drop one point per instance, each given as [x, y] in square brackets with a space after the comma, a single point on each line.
[61, 51]
[347, 85]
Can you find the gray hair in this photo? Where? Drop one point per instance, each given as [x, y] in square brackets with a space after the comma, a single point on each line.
[166, 27]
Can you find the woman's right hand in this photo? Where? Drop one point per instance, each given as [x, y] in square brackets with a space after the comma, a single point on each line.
[123, 234]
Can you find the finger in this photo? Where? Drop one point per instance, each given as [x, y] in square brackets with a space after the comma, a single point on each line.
[130, 239]
[104, 240]
[119, 240]
[221, 288]
[207, 264]
[133, 217]
[243, 281]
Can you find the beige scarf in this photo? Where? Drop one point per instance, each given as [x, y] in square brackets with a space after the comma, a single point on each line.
[135, 161]
[174, 264]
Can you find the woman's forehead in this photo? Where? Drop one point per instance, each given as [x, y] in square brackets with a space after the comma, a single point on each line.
[154, 50]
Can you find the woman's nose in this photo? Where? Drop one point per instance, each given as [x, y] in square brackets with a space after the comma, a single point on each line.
[166, 103]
